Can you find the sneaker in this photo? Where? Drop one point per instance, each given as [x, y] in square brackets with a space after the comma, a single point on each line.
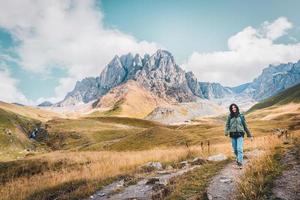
[240, 165]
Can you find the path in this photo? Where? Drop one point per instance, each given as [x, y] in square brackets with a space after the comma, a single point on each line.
[223, 185]
[145, 189]
[287, 186]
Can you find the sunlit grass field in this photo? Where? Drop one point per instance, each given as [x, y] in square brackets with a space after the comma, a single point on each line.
[81, 155]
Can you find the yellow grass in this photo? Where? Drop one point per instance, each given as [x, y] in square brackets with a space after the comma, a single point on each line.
[130, 100]
[102, 165]
[259, 174]
[97, 166]
[31, 112]
[94, 167]
[276, 111]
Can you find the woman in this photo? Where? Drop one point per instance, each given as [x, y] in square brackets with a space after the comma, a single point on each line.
[236, 127]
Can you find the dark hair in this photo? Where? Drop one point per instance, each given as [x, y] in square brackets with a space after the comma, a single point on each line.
[232, 114]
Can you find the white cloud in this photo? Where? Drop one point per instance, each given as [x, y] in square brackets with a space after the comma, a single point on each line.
[249, 52]
[276, 29]
[65, 33]
[8, 87]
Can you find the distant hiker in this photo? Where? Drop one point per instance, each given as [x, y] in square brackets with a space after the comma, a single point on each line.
[236, 127]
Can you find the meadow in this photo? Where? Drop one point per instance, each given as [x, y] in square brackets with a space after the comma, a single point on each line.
[81, 155]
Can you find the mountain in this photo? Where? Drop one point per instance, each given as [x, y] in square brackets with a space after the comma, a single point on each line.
[206, 90]
[45, 104]
[158, 74]
[162, 76]
[289, 95]
[240, 88]
[271, 81]
[162, 87]
[85, 90]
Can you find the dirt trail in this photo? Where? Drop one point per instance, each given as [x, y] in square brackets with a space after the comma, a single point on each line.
[147, 188]
[287, 186]
[223, 185]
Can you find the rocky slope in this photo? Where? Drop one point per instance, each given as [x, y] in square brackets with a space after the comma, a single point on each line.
[158, 84]
[157, 73]
[271, 81]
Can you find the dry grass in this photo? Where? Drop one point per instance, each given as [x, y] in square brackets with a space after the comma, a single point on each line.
[78, 174]
[193, 184]
[125, 101]
[86, 166]
[70, 175]
[30, 112]
[259, 174]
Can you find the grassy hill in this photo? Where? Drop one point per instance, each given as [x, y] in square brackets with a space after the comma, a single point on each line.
[128, 100]
[14, 131]
[29, 112]
[289, 95]
[83, 150]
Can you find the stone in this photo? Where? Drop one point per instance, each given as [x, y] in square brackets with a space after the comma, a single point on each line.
[152, 180]
[183, 164]
[154, 165]
[218, 157]
[198, 161]
[169, 167]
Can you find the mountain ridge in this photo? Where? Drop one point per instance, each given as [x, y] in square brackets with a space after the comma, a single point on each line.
[158, 73]
[164, 79]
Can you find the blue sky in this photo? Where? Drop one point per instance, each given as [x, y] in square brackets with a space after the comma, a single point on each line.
[44, 52]
[202, 26]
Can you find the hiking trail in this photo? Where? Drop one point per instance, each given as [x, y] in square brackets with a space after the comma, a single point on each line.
[224, 184]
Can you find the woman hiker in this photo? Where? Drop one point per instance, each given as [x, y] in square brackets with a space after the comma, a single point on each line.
[236, 127]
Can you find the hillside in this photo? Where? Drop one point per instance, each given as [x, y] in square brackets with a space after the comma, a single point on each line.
[28, 111]
[14, 135]
[128, 100]
[289, 95]
[16, 124]
[83, 150]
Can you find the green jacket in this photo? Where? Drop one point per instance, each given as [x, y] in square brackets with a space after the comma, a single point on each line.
[237, 124]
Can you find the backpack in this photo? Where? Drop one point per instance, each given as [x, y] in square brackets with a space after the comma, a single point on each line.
[239, 134]
[243, 120]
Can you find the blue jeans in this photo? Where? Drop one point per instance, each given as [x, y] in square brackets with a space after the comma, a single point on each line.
[237, 145]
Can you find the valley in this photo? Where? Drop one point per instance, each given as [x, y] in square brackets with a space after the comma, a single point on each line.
[80, 155]
[141, 111]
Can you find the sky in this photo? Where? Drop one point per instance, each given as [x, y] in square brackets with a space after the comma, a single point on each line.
[46, 46]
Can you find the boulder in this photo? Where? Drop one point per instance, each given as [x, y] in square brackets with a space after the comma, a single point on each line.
[183, 164]
[198, 161]
[218, 157]
[150, 166]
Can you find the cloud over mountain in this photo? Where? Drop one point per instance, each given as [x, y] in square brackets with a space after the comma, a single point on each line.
[249, 51]
[67, 34]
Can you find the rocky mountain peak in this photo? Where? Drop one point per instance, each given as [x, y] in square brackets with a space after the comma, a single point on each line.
[127, 60]
[273, 79]
[161, 59]
[116, 61]
[158, 73]
[138, 61]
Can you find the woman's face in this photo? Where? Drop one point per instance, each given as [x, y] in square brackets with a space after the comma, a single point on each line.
[233, 108]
